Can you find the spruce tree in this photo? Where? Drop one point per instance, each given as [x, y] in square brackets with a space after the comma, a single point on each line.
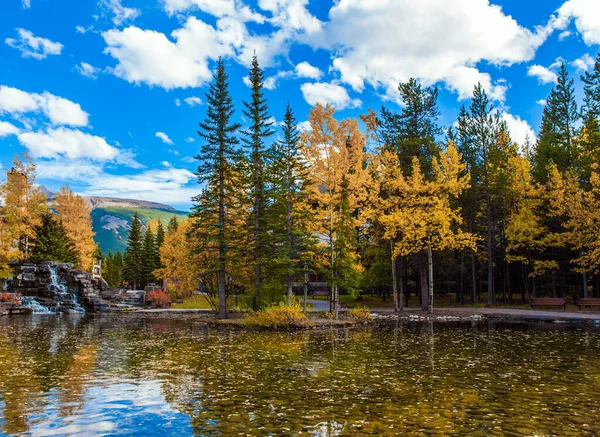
[133, 272]
[148, 257]
[257, 112]
[478, 129]
[158, 243]
[51, 242]
[556, 140]
[216, 172]
[172, 225]
[288, 217]
[589, 140]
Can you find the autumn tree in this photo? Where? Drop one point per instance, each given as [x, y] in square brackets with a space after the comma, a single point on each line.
[334, 152]
[216, 172]
[24, 204]
[261, 128]
[418, 213]
[74, 214]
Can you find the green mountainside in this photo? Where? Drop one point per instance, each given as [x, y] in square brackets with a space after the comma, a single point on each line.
[111, 223]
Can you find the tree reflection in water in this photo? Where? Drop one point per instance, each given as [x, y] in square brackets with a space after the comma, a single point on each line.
[145, 375]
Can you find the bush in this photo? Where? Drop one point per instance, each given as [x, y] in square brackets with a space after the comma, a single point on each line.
[360, 315]
[10, 297]
[158, 299]
[279, 316]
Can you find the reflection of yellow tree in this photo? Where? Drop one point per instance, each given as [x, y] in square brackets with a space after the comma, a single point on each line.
[78, 371]
[18, 385]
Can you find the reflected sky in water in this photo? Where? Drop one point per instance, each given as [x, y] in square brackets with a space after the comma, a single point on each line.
[154, 375]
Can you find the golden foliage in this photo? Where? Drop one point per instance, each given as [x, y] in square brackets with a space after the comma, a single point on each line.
[278, 316]
[360, 315]
[74, 214]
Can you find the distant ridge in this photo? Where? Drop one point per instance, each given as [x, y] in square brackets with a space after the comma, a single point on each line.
[107, 202]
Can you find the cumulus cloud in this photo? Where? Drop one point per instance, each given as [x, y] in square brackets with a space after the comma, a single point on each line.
[519, 129]
[584, 63]
[32, 46]
[543, 74]
[59, 110]
[189, 140]
[291, 14]
[331, 93]
[305, 70]
[193, 101]
[407, 45]
[7, 128]
[88, 70]
[68, 143]
[584, 13]
[120, 12]
[164, 138]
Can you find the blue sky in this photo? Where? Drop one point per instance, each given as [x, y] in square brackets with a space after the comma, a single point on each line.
[106, 94]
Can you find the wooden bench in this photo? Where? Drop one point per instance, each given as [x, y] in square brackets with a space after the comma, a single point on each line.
[589, 302]
[321, 293]
[549, 302]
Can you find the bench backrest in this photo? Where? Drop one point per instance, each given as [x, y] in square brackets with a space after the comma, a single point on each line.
[549, 300]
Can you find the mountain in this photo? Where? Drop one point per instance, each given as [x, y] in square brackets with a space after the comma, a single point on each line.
[112, 217]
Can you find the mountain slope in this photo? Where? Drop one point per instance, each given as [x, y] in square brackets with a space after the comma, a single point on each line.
[111, 223]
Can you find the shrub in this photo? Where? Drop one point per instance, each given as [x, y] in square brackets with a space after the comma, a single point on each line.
[10, 297]
[360, 315]
[158, 299]
[278, 316]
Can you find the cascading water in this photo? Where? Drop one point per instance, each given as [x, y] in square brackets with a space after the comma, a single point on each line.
[65, 300]
[36, 307]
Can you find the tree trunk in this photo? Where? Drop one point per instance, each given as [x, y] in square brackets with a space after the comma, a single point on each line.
[424, 286]
[400, 298]
[305, 288]
[430, 263]
[474, 276]
[397, 301]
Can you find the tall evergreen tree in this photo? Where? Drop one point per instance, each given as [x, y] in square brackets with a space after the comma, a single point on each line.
[257, 112]
[289, 215]
[51, 242]
[556, 140]
[133, 272]
[148, 257]
[589, 139]
[172, 225]
[478, 129]
[158, 243]
[216, 171]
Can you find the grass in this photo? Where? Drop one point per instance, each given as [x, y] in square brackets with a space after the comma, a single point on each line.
[194, 302]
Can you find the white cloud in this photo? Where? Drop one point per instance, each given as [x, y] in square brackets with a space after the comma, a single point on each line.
[7, 128]
[406, 44]
[189, 140]
[543, 74]
[68, 143]
[26, 4]
[217, 8]
[585, 14]
[60, 111]
[304, 126]
[121, 13]
[80, 29]
[519, 128]
[584, 63]
[291, 14]
[146, 56]
[541, 102]
[177, 102]
[193, 101]
[304, 69]
[164, 138]
[88, 70]
[331, 93]
[563, 35]
[32, 46]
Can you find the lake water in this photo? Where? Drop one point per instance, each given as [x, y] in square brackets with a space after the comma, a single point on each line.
[156, 376]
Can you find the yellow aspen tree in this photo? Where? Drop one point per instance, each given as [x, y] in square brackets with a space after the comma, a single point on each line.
[24, 204]
[418, 213]
[337, 163]
[74, 214]
[527, 236]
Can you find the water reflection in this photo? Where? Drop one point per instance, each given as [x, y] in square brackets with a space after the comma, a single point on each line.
[134, 375]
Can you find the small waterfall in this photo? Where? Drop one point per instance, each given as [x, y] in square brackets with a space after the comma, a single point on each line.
[65, 300]
[37, 308]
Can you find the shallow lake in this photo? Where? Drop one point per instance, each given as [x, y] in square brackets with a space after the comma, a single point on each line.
[152, 375]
